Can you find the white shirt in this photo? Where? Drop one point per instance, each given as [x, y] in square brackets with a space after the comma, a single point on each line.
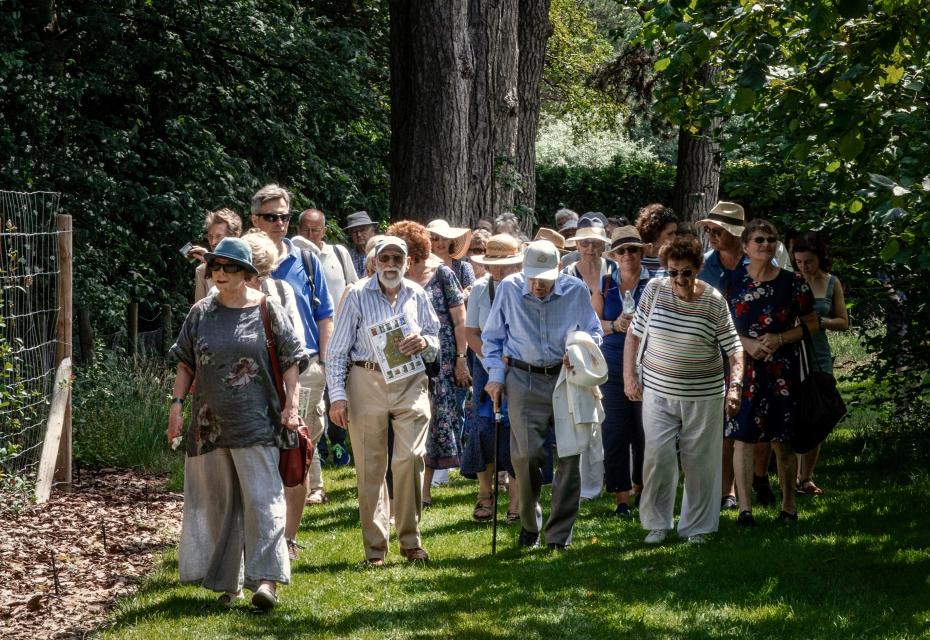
[337, 278]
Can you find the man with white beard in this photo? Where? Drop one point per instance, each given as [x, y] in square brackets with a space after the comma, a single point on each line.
[364, 402]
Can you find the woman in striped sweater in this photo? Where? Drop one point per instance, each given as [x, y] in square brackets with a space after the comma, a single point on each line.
[685, 323]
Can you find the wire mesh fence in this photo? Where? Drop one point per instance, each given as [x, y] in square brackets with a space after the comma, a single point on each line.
[29, 306]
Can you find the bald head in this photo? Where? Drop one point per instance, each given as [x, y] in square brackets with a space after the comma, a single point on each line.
[312, 226]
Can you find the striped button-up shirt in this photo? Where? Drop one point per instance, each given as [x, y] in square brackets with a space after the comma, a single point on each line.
[364, 306]
[524, 327]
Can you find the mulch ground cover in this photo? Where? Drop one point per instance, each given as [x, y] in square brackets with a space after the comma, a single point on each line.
[64, 563]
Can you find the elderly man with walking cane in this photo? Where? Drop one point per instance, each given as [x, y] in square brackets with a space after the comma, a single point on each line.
[524, 350]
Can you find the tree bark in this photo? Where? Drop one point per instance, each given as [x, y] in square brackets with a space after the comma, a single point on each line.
[430, 82]
[494, 112]
[697, 174]
[533, 33]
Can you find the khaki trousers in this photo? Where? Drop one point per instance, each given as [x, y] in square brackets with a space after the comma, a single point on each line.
[372, 405]
[311, 408]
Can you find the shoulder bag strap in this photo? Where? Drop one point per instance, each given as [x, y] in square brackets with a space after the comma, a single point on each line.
[491, 289]
[308, 267]
[342, 262]
[272, 350]
[806, 354]
[652, 306]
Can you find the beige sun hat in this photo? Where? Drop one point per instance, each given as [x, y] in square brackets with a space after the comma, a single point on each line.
[460, 236]
[728, 215]
[588, 233]
[552, 236]
[625, 236]
[501, 249]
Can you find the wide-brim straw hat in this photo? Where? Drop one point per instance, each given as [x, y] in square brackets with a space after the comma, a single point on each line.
[459, 235]
[501, 249]
[728, 215]
[588, 233]
[552, 236]
[625, 236]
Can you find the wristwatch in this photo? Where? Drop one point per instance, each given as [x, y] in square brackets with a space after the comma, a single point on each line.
[177, 400]
[461, 355]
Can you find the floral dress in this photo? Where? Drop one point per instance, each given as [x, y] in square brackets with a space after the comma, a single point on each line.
[442, 445]
[235, 403]
[758, 308]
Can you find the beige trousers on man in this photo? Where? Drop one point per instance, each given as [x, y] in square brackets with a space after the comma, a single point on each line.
[311, 408]
[373, 404]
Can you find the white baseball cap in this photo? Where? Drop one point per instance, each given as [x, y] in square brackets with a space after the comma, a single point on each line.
[541, 260]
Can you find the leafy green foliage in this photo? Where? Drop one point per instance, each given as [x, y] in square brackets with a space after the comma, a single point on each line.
[835, 94]
[146, 115]
[121, 414]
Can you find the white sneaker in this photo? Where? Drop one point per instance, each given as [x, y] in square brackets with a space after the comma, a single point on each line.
[656, 536]
[698, 538]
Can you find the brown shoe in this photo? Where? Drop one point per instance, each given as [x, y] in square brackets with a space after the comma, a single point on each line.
[317, 496]
[416, 554]
[375, 562]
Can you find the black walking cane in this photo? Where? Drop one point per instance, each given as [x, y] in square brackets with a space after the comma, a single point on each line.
[497, 448]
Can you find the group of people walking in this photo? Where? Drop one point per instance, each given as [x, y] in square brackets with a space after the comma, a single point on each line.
[610, 354]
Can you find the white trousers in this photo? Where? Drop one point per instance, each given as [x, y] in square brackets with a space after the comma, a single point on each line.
[701, 441]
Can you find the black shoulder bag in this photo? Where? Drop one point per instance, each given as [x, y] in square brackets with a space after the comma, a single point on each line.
[818, 406]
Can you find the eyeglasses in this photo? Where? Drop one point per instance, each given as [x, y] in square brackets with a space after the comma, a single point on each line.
[227, 268]
[684, 273]
[274, 217]
[761, 239]
[433, 238]
[715, 231]
[385, 258]
[588, 243]
[624, 250]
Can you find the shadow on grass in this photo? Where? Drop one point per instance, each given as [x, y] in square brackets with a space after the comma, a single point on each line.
[855, 565]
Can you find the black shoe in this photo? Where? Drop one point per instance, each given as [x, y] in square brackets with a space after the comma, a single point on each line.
[784, 516]
[529, 538]
[556, 546]
[728, 502]
[764, 494]
[623, 511]
[745, 519]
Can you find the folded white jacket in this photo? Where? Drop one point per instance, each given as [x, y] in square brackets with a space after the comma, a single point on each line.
[576, 403]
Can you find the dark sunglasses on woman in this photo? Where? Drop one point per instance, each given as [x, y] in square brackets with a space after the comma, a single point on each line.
[227, 268]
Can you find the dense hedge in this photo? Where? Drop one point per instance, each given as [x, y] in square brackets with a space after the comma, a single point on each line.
[622, 187]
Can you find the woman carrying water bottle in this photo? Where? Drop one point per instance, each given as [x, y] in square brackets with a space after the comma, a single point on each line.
[622, 428]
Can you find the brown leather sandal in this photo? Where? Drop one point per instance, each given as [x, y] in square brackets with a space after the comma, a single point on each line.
[483, 509]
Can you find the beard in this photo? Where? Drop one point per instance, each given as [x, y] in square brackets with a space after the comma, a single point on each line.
[391, 282]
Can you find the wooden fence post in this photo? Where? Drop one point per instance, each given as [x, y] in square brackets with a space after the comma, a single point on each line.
[132, 331]
[85, 335]
[63, 349]
[167, 333]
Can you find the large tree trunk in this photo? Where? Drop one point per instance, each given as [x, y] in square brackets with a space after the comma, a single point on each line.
[697, 176]
[533, 32]
[430, 81]
[494, 107]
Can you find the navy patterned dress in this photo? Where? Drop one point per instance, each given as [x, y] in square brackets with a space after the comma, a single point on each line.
[774, 306]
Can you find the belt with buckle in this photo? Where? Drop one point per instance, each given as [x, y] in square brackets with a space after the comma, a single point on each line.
[367, 365]
[546, 370]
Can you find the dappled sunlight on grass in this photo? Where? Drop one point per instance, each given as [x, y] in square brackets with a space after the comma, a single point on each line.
[855, 565]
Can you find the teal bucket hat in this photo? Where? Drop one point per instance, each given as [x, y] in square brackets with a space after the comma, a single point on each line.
[236, 250]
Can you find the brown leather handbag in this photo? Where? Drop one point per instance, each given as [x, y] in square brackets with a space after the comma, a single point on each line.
[293, 463]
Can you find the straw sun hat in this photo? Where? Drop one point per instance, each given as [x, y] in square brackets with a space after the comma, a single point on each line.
[502, 249]
[459, 236]
[728, 215]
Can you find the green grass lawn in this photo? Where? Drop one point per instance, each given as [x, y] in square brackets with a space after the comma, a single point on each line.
[856, 565]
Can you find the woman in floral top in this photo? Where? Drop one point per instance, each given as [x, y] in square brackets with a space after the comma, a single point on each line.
[233, 496]
[767, 304]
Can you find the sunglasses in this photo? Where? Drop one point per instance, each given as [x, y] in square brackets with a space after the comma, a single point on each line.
[715, 231]
[385, 258]
[761, 239]
[227, 268]
[684, 273]
[274, 217]
[624, 250]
